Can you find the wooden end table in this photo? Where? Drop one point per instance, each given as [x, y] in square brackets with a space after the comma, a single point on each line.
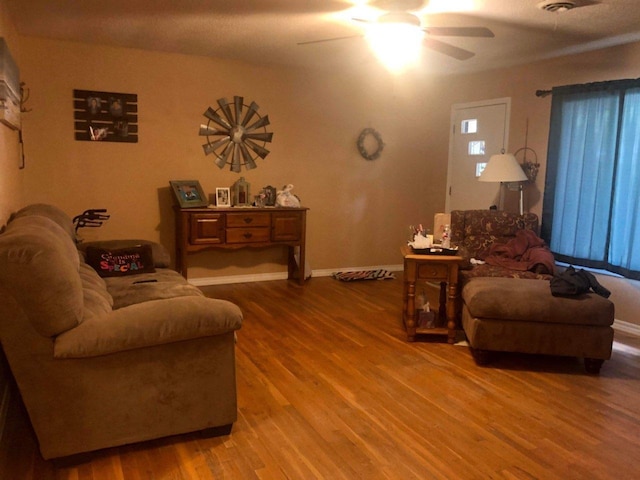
[430, 268]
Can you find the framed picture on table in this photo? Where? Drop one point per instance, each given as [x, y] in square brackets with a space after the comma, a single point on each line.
[189, 193]
[223, 197]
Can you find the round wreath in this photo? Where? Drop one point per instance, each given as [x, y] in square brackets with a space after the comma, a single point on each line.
[379, 144]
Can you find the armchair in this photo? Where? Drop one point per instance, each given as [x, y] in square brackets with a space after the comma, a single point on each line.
[512, 309]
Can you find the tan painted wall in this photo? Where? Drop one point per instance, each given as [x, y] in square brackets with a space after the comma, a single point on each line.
[360, 209]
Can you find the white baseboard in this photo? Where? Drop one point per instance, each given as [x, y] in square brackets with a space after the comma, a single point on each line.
[265, 277]
[631, 329]
[260, 277]
[627, 327]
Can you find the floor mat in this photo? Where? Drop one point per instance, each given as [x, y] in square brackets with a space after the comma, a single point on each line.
[363, 275]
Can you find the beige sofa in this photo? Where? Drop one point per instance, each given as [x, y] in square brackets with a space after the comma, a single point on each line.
[101, 362]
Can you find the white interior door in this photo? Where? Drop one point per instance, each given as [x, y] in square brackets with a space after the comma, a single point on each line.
[478, 130]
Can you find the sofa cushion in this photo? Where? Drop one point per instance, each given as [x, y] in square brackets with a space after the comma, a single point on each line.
[40, 270]
[162, 284]
[517, 299]
[121, 261]
[486, 270]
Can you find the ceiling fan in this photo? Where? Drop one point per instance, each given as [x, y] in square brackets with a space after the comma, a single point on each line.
[397, 13]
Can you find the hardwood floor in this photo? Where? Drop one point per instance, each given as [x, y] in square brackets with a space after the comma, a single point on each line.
[328, 388]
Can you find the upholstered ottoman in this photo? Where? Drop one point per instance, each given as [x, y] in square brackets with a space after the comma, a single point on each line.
[521, 315]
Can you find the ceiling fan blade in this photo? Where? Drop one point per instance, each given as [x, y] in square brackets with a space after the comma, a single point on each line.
[398, 4]
[309, 42]
[459, 32]
[446, 49]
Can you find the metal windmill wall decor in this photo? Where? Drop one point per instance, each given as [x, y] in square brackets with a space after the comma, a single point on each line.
[232, 138]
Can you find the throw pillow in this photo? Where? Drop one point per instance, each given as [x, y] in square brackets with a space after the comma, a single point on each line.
[121, 261]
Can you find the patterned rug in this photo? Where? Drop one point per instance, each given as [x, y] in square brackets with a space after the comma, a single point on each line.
[363, 275]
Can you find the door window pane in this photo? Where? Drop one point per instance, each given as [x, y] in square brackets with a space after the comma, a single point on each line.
[480, 166]
[469, 126]
[476, 147]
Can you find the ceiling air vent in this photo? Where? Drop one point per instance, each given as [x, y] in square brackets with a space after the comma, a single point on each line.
[555, 6]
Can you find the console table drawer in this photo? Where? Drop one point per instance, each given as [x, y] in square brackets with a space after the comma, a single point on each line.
[206, 228]
[438, 271]
[247, 235]
[248, 219]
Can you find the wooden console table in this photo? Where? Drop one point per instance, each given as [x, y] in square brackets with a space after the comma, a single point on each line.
[429, 268]
[232, 228]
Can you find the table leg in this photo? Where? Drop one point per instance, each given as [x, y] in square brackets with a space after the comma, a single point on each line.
[451, 311]
[181, 261]
[442, 310]
[410, 309]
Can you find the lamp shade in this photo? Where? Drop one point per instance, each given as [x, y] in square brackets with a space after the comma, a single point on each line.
[503, 168]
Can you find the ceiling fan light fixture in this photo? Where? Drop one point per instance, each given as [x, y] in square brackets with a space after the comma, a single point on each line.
[400, 18]
[397, 45]
[556, 6]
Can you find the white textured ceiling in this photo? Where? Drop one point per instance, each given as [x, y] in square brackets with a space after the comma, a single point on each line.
[268, 31]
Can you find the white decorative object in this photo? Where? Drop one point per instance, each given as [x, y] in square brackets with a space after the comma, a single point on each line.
[420, 242]
[287, 199]
[446, 237]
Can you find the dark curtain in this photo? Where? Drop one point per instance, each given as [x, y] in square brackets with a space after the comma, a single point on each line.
[592, 189]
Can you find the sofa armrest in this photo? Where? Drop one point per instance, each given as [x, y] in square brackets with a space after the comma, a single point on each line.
[148, 324]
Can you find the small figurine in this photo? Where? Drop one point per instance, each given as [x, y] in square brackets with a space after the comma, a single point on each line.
[287, 199]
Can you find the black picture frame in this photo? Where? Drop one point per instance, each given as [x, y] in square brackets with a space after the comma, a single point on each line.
[105, 116]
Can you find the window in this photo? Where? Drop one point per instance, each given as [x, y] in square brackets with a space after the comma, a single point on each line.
[591, 211]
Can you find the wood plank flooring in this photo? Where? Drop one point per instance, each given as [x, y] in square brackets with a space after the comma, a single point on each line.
[328, 388]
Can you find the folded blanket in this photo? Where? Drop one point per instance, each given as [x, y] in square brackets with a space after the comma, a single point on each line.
[526, 251]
